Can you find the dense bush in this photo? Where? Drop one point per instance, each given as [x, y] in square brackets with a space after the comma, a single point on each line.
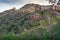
[9, 37]
[25, 36]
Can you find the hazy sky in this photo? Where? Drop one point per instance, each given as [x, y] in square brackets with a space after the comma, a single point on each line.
[8, 4]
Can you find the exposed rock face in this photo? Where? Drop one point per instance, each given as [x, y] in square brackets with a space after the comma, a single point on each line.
[14, 9]
[31, 8]
[35, 17]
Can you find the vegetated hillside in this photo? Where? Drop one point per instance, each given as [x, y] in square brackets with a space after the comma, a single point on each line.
[31, 22]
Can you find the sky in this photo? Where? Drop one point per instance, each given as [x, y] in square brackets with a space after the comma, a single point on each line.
[9, 4]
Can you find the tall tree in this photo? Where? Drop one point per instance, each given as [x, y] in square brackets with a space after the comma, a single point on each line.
[53, 1]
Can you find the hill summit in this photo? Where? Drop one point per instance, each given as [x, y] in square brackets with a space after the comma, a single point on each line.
[36, 7]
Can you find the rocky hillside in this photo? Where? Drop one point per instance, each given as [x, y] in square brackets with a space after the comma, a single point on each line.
[33, 8]
[31, 22]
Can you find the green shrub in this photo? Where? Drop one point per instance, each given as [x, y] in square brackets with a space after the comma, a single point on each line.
[9, 37]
